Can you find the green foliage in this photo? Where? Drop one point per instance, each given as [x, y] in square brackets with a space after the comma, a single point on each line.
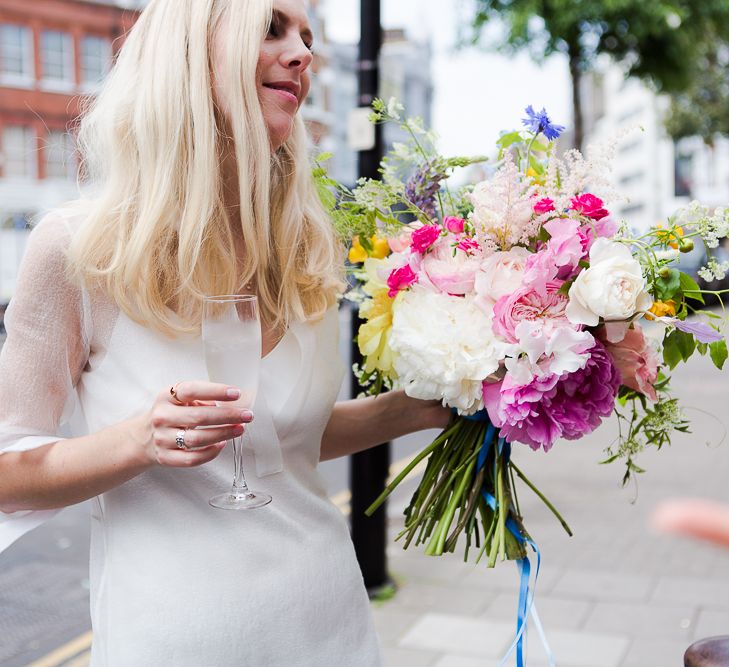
[667, 288]
[718, 353]
[701, 109]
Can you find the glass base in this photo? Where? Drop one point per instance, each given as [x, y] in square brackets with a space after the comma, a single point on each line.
[240, 501]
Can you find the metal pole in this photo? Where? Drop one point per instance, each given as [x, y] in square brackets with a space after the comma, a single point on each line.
[368, 470]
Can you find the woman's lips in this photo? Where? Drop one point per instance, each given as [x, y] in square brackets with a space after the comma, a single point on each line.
[283, 93]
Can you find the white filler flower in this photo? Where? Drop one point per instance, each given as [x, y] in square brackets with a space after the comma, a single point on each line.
[444, 348]
[612, 287]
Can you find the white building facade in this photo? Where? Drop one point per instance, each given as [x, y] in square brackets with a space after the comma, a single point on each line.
[656, 174]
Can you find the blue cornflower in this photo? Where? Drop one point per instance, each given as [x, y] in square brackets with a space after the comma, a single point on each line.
[539, 122]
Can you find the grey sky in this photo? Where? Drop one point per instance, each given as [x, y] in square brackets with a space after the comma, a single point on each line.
[477, 93]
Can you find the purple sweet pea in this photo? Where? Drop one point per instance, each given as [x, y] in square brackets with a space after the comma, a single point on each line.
[701, 332]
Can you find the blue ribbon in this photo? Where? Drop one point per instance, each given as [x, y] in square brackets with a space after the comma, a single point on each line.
[526, 598]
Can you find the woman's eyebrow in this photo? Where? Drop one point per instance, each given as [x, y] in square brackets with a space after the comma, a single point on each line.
[282, 19]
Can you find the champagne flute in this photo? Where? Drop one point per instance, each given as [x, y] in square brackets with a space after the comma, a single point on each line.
[231, 331]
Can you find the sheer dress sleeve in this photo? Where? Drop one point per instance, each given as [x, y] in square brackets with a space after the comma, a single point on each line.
[46, 350]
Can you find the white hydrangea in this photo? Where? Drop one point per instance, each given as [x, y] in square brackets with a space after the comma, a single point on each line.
[444, 348]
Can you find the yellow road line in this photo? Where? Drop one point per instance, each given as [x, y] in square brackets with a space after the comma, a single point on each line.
[82, 660]
[62, 655]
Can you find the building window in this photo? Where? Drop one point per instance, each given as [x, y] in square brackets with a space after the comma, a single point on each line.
[16, 55]
[683, 174]
[18, 152]
[57, 59]
[60, 155]
[95, 60]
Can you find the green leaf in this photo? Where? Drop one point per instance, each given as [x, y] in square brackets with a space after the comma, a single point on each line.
[509, 139]
[686, 344]
[667, 288]
[703, 348]
[671, 350]
[718, 352]
[688, 284]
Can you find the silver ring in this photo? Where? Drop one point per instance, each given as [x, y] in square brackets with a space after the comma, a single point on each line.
[180, 440]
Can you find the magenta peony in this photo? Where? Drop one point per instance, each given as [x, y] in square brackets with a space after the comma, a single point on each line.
[545, 205]
[541, 411]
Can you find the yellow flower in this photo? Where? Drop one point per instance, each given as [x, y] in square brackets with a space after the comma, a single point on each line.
[358, 253]
[374, 334]
[663, 309]
[666, 236]
[380, 248]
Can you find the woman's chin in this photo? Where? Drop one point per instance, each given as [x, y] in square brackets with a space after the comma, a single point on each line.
[279, 131]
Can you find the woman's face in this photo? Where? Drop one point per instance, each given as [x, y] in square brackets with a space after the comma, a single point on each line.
[282, 74]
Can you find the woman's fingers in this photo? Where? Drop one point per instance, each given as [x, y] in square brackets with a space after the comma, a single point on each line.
[183, 416]
[178, 458]
[702, 519]
[196, 438]
[190, 391]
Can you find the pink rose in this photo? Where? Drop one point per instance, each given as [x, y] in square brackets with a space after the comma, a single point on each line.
[424, 237]
[448, 273]
[453, 224]
[589, 205]
[545, 205]
[500, 274]
[635, 360]
[527, 304]
[401, 279]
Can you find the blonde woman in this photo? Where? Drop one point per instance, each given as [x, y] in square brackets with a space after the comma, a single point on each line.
[198, 161]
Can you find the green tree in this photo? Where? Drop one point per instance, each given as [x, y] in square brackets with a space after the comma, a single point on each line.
[703, 108]
[659, 41]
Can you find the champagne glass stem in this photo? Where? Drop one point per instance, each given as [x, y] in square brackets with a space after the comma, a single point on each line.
[240, 486]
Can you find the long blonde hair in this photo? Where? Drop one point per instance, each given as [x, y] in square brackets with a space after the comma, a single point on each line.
[156, 233]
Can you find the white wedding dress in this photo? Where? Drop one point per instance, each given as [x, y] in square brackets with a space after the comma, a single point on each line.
[174, 581]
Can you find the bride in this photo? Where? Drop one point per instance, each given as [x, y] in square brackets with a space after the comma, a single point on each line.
[199, 184]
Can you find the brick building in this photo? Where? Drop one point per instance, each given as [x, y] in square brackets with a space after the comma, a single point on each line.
[52, 54]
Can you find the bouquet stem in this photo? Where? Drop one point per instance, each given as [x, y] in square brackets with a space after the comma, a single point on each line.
[467, 489]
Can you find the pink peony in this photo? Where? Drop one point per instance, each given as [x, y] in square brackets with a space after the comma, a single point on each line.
[500, 274]
[453, 224]
[448, 273]
[635, 360]
[401, 279]
[589, 205]
[545, 205]
[528, 304]
[401, 242]
[424, 237]
[604, 228]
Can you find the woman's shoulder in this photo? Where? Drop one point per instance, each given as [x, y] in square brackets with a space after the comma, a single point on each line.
[46, 250]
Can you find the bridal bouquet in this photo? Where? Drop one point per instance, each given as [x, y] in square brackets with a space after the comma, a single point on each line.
[517, 300]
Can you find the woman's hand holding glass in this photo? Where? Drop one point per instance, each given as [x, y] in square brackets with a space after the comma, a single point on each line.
[191, 426]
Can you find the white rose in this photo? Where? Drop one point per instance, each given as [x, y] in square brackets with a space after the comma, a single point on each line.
[612, 287]
[500, 274]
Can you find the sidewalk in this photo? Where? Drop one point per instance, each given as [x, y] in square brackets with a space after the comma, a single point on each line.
[614, 595]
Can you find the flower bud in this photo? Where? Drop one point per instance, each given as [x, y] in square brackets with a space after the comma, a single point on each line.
[665, 272]
[687, 245]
